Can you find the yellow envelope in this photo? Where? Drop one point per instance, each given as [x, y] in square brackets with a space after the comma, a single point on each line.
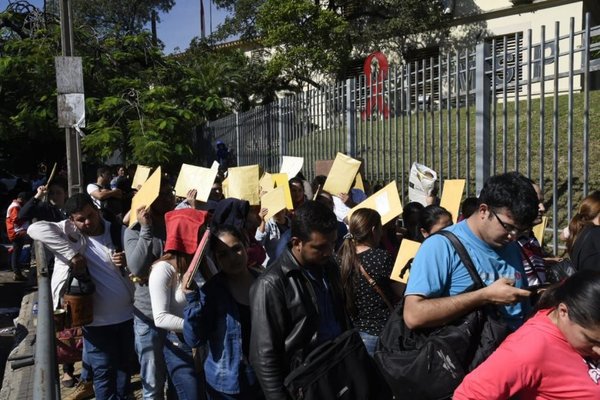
[266, 183]
[193, 177]
[274, 201]
[141, 174]
[408, 250]
[281, 180]
[342, 174]
[539, 229]
[243, 183]
[386, 202]
[145, 196]
[359, 184]
[291, 165]
[452, 195]
[225, 186]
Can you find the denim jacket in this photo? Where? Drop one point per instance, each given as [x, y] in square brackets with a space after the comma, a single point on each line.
[212, 318]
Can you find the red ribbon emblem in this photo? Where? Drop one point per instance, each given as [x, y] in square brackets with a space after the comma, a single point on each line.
[376, 71]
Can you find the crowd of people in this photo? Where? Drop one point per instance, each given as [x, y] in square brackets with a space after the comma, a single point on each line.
[269, 291]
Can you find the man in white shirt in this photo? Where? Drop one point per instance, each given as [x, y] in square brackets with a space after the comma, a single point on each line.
[85, 239]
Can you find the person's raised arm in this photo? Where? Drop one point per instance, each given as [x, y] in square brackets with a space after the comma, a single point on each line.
[139, 245]
[29, 210]
[103, 194]
[53, 236]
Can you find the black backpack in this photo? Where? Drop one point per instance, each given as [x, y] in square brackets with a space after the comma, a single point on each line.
[428, 364]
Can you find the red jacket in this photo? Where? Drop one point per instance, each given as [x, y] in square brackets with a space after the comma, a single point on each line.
[15, 227]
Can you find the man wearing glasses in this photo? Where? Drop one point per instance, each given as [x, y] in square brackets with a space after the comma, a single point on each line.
[438, 287]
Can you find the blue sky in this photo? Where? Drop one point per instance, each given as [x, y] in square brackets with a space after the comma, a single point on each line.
[179, 26]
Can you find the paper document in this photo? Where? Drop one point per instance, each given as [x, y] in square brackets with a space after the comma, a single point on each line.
[282, 181]
[452, 195]
[274, 201]
[342, 174]
[145, 196]
[291, 165]
[408, 251]
[194, 177]
[386, 202]
[243, 183]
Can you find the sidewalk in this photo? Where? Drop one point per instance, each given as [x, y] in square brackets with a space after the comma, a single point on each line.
[17, 298]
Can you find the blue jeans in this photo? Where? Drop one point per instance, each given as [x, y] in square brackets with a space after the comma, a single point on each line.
[109, 351]
[149, 344]
[17, 249]
[250, 393]
[180, 365]
[370, 342]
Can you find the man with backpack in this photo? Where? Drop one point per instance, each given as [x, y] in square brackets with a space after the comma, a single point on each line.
[464, 295]
[86, 241]
[438, 287]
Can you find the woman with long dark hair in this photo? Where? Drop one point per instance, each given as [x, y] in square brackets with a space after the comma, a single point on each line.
[583, 243]
[554, 355]
[218, 316]
[367, 307]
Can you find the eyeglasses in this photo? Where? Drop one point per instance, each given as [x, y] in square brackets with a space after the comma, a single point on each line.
[510, 229]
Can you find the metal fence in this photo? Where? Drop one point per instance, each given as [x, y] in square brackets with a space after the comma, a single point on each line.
[511, 103]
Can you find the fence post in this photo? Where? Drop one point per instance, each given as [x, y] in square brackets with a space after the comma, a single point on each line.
[482, 119]
[282, 137]
[237, 137]
[350, 118]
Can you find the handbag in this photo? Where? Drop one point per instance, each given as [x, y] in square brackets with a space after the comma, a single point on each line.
[79, 305]
[69, 345]
[428, 364]
[340, 368]
[559, 271]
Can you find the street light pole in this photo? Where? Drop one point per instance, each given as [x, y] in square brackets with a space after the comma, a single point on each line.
[71, 135]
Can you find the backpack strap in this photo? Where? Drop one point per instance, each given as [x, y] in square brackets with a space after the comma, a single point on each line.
[464, 257]
[115, 236]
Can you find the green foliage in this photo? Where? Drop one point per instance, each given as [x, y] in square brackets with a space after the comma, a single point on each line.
[110, 16]
[310, 37]
[138, 100]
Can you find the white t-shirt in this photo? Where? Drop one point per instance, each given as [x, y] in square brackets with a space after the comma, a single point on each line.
[113, 299]
[168, 300]
[92, 187]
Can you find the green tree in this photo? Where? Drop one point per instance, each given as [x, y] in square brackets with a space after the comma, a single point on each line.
[27, 89]
[305, 37]
[138, 100]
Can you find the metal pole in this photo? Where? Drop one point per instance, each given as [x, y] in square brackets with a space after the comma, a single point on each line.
[482, 120]
[350, 120]
[237, 138]
[71, 136]
[45, 376]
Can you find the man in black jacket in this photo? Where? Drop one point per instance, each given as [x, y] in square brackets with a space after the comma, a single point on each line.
[297, 303]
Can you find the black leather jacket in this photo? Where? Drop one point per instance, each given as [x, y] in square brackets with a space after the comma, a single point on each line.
[285, 320]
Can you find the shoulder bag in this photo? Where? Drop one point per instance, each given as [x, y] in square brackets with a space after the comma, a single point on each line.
[428, 364]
